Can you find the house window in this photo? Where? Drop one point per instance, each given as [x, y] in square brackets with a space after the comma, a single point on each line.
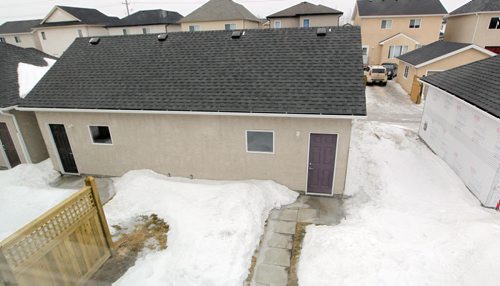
[418, 46]
[495, 23]
[230, 27]
[306, 23]
[194, 28]
[17, 39]
[386, 24]
[80, 33]
[260, 141]
[396, 51]
[277, 24]
[2, 40]
[100, 135]
[145, 30]
[43, 36]
[407, 70]
[125, 31]
[415, 23]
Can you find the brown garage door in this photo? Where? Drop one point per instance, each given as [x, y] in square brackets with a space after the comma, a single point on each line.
[8, 146]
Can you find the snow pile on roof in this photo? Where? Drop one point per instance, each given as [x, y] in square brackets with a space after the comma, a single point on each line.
[29, 75]
[215, 226]
[411, 221]
[25, 195]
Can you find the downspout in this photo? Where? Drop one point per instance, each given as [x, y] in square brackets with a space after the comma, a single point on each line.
[19, 135]
[475, 29]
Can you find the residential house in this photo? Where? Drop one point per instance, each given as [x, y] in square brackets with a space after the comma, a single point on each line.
[436, 57]
[146, 22]
[306, 15]
[64, 24]
[477, 22]
[20, 137]
[230, 105]
[391, 28]
[19, 33]
[461, 124]
[220, 15]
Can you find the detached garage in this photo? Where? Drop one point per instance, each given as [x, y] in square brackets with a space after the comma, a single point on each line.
[461, 124]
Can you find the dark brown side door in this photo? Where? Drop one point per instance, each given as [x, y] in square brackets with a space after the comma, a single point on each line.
[8, 146]
[322, 153]
[63, 148]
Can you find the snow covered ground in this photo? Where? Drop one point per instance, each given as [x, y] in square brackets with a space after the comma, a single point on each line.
[215, 226]
[410, 221]
[25, 194]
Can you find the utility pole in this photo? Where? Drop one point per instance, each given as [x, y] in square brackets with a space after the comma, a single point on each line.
[126, 3]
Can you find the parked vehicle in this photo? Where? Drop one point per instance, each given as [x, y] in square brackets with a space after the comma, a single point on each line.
[376, 74]
[392, 70]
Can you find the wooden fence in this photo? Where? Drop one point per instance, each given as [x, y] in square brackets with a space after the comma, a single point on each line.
[416, 90]
[64, 246]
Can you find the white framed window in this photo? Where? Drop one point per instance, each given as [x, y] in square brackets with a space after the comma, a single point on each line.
[80, 33]
[145, 30]
[415, 23]
[306, 23]
[17, 39]
[277, 24]
[407, 70]
[100, 134]
[418, 46]
[386, 24]
[396, 51]
[494, 23]
[43, 36]
[125, 32]
[194, 28]
[230, 27]
[260, 141]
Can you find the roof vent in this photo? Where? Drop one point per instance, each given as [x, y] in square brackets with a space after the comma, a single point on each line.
[94, 41]
[236, 34]
[162, 37]
[321, 32]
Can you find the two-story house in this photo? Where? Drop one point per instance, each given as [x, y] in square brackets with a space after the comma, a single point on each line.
[220, 15]
[63, 24]
[391, 28]
[305, 14]
[476, 22]
[147, 22]
[19, 33]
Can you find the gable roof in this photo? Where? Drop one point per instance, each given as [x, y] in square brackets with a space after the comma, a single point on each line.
[266, 71]
[149, 17]
[431, 51]
[220, 10]
[475, 6]
[400, 7]
[397, 36]
[10, 57]
[305, 8]
[13, 27]
[475, 83]
[84, 15]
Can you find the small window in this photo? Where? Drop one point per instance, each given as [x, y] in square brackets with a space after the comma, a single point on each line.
[277, 24]
[194, 28]
[230, 27]
[407, 70]
[43, 36]
[146, 30]
[495, 23]
[125, 31]
[386, 24]
[100, 135]
[2, 40]
[260, 141]
[306, 23]
[17, 39]
[415, 23]
[396, 51]
[418, 46]
[80, 33]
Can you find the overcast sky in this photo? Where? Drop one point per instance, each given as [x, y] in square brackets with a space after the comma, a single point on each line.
[36, 9]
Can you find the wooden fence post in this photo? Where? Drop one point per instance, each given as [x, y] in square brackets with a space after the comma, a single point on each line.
[90, 182]
[6, 275]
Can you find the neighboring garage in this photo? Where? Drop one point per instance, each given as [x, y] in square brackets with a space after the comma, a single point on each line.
[461, 124]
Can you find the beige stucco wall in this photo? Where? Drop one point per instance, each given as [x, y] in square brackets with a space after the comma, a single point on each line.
[286, 22]
[134, 30]
[372, 33]
[221, 25]
[211, 147]
[28, 40]
[13, 134]
[463, 58]
[314, 21]
[473, 29]
[32, 136]
[397, 41]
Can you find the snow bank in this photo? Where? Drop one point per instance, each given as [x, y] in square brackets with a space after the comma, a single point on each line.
[214, 226]
[29, 75]
[411, 221]
[25, 194]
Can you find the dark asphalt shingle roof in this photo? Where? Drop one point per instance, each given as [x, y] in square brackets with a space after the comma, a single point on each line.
[400, 7]
[478, 6]
[475, 83]
[305, 8]
[13, 27]
[10, 57]
[220, 10]
[431, 51]
[149, 17]
[85, 15]
[265, 71]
